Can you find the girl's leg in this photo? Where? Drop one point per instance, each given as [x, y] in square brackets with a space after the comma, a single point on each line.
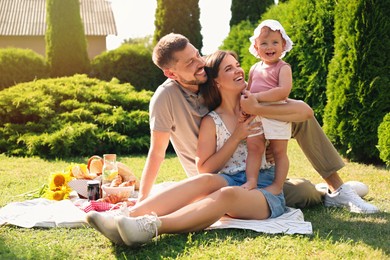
[236, 202]
[279, 149]
[179, 195]
[256, 145]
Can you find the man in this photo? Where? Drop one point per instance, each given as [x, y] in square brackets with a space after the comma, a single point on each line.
[176, 110]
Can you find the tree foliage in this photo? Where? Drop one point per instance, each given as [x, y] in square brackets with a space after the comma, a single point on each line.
[358, 80]
[238, 41]
[310, 26]
[66, 46]
[178, 16]
[340, 63]
[384, 139]
[250, 10]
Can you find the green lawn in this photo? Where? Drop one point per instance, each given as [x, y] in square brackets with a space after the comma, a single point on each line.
[338, 234]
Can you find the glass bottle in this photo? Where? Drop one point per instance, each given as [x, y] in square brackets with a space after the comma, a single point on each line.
[110, 168]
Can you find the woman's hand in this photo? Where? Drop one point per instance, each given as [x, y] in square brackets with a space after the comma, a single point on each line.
[245, 127]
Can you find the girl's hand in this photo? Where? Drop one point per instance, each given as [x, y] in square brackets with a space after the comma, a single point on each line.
[248, 102]
[249, 185]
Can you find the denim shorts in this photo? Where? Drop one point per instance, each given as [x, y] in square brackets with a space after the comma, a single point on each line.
[276, 203]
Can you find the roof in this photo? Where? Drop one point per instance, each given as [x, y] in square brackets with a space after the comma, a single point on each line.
[28, 17]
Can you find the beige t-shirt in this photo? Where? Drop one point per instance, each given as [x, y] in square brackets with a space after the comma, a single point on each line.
[178, 111]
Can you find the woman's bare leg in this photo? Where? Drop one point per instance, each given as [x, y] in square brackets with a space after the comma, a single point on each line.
[166, 202]
[179, 195]
[236, 202]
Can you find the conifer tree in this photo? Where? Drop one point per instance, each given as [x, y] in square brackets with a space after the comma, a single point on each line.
[178, 16]
[358, 80]
[250, 10]
[66, 46]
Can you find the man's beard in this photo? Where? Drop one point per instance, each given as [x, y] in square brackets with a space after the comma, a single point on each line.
[194, 82]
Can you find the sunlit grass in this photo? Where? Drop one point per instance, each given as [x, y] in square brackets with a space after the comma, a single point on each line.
[338, 234]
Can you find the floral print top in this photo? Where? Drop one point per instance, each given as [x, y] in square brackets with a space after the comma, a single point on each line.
[237, 162]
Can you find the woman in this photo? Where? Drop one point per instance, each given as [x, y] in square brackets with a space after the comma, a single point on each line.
[196, 203]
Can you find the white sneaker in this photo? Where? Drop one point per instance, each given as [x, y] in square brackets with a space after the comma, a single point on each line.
[346, 197]
[105, 223]
[139, 230]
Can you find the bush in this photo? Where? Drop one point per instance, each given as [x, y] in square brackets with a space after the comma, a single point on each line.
[384, 139]
[20, 65]
[73, 116]
[358, 81]
[130, 63]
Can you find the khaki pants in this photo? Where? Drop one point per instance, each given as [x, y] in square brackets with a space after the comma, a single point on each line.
[300, 193]
[321, 154]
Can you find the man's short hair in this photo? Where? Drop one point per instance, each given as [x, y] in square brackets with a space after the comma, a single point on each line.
[167, 46]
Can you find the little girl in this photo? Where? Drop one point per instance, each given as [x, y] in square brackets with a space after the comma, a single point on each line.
[271, 80]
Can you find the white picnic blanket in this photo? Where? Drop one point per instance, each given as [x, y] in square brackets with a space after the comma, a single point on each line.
[47, 213]
[291, 222]
[42, 213]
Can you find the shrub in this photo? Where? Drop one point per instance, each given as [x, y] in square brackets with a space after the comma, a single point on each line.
[384, 139]
[358, 81]
[20, 65]
[73, 116]
[131, 63]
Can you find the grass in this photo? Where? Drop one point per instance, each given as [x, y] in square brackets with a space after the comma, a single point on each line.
[338, 234]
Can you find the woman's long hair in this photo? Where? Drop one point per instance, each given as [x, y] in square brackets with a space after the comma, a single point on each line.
[209, 90]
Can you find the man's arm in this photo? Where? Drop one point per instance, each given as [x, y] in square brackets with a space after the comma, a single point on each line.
[158, 145]
[292, 111]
